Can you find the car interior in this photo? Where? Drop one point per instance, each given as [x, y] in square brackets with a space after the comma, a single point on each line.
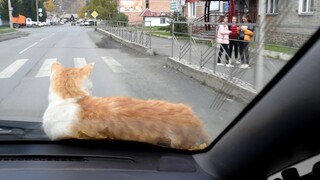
[278, 129]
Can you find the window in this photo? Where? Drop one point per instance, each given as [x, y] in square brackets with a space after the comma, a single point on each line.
[272, 7]
[147, 3]
[225, 6]
[192, 9]
[306, 7]
[162, 20]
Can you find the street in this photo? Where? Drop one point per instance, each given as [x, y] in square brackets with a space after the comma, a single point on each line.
[118, 71]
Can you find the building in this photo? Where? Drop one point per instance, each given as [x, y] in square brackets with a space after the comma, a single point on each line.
[291, 22]
[155, 18]
[134, 8]
[296, 21]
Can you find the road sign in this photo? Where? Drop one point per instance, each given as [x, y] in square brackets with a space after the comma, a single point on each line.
[94, 14]
[40, 14]
[173, 6]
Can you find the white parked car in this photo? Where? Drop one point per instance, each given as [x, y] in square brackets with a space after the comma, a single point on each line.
[30, 23]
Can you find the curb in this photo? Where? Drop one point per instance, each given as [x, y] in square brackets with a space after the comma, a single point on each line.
[161, 36]
[12, 35]
[277, 55]
[135, 46]
[218, 81]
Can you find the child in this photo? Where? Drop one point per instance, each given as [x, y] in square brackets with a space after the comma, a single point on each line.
[244, 43]
[234, 36]
[223, 39]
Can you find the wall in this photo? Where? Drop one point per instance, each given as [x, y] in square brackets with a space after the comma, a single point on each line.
[291, 28]
[154, 6]
[159, 5]
[199, 10]
[155, 21]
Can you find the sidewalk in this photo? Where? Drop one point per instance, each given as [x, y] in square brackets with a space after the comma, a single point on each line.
[235, 82]
[12, 35]
[243, 81]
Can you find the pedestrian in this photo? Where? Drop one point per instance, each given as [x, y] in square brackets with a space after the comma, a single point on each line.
[223, 40]
[233, 39]
[245, 35]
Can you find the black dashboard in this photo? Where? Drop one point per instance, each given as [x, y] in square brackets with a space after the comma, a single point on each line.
[82, 159]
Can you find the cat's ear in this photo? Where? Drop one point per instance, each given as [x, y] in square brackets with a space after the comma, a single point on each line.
[87, 69]
[56, 66]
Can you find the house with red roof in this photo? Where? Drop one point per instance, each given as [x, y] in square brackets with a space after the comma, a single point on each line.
[155, 18]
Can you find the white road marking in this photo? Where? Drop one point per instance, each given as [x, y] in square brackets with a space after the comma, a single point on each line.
[12, 68]
[114, 65]
[28, 47]
[79, 62]
[45, 69]
[47, 37]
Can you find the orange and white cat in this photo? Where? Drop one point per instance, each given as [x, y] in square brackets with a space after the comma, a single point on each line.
[74, 113]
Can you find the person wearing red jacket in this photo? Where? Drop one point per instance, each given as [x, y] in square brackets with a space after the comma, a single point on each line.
[233, 38]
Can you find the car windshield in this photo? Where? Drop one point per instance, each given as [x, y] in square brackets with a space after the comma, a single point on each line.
[169, 73]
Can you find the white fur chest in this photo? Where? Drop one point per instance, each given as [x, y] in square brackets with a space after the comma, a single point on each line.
[59, 118]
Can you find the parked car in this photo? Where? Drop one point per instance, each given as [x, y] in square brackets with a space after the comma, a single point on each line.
[89, 23]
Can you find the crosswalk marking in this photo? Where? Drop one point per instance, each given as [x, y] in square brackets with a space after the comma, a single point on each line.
[45, 69]
[114, 65]
[11, 69]
[79, 62]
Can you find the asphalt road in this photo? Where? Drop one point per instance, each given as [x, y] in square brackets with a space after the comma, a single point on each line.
[119, 71]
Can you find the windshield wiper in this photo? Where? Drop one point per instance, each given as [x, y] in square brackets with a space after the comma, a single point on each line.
[21, 130]
[11, 131]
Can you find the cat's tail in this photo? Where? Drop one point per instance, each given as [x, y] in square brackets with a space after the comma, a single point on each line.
[203, 141]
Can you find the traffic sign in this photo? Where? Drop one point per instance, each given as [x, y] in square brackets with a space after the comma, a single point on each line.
[173, 6]
[94, 14]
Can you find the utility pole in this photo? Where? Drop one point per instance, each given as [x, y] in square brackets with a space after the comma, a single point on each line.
[259, 64]
[37, 7]
[10, 13]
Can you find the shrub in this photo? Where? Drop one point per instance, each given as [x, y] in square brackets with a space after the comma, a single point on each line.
[121, 17]
[180, 28]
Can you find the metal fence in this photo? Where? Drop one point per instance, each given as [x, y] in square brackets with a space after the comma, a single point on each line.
[134, 32]
[197, 47]
[200, 47]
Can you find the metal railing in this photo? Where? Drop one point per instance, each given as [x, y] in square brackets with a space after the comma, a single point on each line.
[200, 50]
[134, 32]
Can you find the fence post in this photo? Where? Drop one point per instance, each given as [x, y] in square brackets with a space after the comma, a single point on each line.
[172, 34]
[259, 64]
[190, 44]
[150, 37]
[131, 29]
[214, 45]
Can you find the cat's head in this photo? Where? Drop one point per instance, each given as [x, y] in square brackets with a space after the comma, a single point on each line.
[69, 82]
